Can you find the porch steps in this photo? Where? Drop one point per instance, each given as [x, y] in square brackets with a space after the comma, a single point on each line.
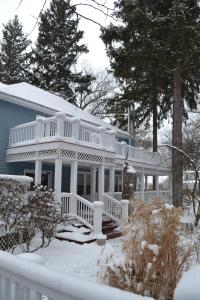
[78, 233]
[110, 229]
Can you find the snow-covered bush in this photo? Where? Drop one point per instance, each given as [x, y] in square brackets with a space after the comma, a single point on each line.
[155, 253]
[29, 213]
[12, 201]
[41, 215]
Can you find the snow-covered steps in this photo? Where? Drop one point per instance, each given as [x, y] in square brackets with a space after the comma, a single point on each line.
[75, 231]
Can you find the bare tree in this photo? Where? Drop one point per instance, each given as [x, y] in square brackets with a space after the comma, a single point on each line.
[93, 96]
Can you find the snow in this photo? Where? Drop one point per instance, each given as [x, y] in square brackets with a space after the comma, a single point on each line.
[45, 99]
[168, 206]
[78, 260]
[76, 236]
[32, 257]
[154, 248]
[16, 178]
[131, 170]
[156, 211]
[189, 287]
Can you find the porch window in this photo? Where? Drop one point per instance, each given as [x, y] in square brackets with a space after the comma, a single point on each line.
[46, 177]
[118, 183]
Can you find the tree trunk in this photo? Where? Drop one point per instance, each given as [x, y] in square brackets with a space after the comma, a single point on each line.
[177, 158]
[155, 133]
[155, 127]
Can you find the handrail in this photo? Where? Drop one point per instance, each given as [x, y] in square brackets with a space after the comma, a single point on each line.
[32, 281]
[112, 207]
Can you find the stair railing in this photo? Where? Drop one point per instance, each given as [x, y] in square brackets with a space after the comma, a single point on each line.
[85, 211]
[115, 209]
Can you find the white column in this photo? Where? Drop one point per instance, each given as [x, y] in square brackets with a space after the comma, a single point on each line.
[73, 177]
[170, 187]
[60, 118]
[112, 180]
[39, 128]
[142, 178]
[58, 179]
[146, 183]
[101, 170]
[124, 206]
[98, 210]
[38, 171]
[93, 183]
[73, 187]
[75, 128]
[157, 185]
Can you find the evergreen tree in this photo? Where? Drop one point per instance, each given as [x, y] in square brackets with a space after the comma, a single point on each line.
[14, 55]
[163, 38]
[57, 50]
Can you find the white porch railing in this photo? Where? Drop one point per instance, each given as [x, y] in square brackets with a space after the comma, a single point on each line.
[24, 280]
[115, 209]
[64, 127]
[135, 153]
[89, 213]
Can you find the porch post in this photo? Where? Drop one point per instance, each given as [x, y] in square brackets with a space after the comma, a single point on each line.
[93, 183]
[101, 177]
[58, 179]
[146, 183]
[157, 185]
[170, 187]
[112, 180]
[73, 187]
[142, 185]
[38, 171]
[73, 177]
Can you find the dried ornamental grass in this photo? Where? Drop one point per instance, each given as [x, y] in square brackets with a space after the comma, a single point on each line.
[155, 254]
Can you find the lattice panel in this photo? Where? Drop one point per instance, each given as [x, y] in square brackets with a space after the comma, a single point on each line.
[109, 160]
[64, 153]
[90, 157]
[21, 156]
[8, 241]
[51, 153]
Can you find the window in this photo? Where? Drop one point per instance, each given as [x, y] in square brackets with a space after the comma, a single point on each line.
[46, 177]
[118, 183]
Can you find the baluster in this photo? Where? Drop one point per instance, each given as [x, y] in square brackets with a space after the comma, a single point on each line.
[6, 289]
[26, 293]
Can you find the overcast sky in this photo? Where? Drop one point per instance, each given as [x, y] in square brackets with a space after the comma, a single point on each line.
[29, 10]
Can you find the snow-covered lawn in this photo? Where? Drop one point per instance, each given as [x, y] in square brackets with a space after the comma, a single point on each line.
[77, 260]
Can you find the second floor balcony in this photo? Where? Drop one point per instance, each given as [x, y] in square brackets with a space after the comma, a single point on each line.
[74, 131]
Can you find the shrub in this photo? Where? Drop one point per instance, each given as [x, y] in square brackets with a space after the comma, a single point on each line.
[29, 213]
[155, 254]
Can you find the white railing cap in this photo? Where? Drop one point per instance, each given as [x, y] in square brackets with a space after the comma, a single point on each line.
[60, 114]
[39, 119]
[98, 204]
[75, 119]
[50, 282]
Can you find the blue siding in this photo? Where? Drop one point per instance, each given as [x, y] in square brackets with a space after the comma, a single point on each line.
[12, 115]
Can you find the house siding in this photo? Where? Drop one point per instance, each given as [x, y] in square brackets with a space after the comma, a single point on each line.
[12, 115]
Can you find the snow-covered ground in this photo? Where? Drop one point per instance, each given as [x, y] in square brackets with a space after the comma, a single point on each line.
[75, 259]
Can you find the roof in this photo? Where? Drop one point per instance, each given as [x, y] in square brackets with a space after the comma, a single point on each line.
[44, 99]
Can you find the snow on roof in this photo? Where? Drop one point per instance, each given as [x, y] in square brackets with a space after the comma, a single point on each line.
[16, 178]
[46, 99]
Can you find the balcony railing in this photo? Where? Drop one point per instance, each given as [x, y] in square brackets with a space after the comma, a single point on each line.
[134, 153]
[77, 131]
[61, 126]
